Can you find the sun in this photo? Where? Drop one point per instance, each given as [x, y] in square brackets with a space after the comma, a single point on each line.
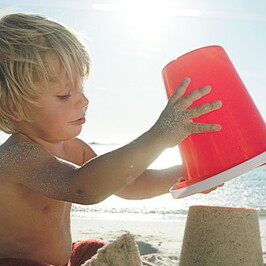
[145, 18]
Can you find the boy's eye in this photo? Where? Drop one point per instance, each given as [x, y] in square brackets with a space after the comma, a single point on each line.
[64, 97]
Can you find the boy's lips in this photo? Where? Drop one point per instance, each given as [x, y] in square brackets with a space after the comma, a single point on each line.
[79, 121]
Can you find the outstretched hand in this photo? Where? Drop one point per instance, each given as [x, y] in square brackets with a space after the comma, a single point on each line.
[175, 122]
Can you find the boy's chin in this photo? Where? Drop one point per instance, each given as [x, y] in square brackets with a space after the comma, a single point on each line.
[76, 132]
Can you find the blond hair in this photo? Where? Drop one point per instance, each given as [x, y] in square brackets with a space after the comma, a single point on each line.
[25, 40]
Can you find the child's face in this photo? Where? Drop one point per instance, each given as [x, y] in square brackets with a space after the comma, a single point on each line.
[62, 110]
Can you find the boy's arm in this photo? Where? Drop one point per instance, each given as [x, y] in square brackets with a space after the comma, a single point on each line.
[35, 167]
[152, 183]
[105, 175]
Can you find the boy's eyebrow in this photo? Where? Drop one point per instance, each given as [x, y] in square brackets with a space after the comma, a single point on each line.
[62, 91]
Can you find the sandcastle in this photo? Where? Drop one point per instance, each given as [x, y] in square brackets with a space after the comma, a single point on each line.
[221, 236]
[123, 251]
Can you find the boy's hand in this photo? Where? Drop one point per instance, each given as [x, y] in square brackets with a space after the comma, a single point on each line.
[175, 122]
[211, 189]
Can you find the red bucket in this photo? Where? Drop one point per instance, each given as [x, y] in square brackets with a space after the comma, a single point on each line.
[210, 159]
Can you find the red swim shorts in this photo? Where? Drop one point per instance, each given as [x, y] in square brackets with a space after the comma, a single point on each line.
[81, 252]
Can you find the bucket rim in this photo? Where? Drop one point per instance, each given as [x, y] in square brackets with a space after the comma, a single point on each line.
[188, 189]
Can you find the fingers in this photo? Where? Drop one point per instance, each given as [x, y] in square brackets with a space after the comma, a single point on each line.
[203, 109]
[200, 127]
[179, 92]
[211, 189]
[187, 100]
[181, 179]
[208, 190]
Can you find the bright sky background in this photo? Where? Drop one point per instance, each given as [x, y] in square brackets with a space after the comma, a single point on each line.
[132, 40]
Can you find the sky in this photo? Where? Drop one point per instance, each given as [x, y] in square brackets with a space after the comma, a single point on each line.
[131, 41]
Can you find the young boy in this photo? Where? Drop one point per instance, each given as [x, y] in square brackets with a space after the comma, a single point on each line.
[44, 167]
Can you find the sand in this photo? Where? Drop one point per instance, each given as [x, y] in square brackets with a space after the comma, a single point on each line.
[123, 251]
[159, 241]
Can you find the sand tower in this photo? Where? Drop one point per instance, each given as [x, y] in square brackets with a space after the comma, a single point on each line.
[221, 236]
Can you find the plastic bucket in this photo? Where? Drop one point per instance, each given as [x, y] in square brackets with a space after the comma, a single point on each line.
[210, 159]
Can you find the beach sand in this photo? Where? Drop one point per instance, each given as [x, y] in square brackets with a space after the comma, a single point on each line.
[159, 241]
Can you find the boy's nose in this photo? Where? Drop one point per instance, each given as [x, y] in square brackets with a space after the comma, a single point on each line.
[82, 101]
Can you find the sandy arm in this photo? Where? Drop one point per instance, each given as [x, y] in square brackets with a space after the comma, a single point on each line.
[36, 168]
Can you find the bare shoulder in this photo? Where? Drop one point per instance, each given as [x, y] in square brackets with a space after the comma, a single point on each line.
[35, 167]
[16, 154]
[24, 160]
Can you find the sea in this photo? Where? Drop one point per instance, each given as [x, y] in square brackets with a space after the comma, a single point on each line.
[245, 191]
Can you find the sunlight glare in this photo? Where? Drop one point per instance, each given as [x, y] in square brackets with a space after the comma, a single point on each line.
[170, 157]
[147, 8]
[145, 19]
